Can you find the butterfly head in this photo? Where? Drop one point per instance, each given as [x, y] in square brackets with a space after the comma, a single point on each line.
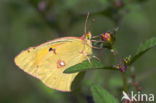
[87, 36]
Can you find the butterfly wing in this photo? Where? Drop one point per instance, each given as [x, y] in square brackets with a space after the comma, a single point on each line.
[46, 65]
[70, 54]
[29, 59]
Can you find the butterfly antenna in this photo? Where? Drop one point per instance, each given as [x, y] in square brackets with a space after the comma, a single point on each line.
[85, 28]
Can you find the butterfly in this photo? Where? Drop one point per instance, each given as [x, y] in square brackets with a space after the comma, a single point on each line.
[48, 60]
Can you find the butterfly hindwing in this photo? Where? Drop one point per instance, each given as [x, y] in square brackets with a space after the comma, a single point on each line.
[70, 54]
[48, 61]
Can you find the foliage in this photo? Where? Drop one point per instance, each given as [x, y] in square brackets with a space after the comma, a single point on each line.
[102, 96]
[86, 65]
[143, 48]
[25, 23]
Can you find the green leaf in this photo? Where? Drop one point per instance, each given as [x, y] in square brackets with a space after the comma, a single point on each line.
[77, 81]
[115, 82]
[100, 95]
[143, 48]
[95, 64]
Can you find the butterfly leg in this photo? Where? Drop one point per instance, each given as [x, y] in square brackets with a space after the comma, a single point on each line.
[93, 47]
[96, 36]
[97, 58]
[97, 41]
[87, 56]
[89, 60]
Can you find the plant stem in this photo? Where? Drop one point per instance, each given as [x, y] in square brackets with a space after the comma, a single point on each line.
[122, 68]
[124, 82]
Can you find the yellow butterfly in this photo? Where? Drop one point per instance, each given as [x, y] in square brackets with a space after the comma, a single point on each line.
[48, 61]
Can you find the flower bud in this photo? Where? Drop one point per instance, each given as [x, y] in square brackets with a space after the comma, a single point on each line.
[118, 3]
[127, 59]
[42, 5]
[106, 37]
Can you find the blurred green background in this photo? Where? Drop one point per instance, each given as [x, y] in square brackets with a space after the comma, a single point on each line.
[25, 23]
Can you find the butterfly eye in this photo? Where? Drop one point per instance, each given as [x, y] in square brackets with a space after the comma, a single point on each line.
[88, 36]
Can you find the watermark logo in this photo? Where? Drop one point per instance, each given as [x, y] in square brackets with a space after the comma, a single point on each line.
[137, 97]
[125, 96]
